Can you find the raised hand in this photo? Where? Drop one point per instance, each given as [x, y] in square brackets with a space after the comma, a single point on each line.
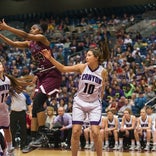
[3, 25]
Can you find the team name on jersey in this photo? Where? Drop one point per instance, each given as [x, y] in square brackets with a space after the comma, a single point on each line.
[91, 78]
[4, 87]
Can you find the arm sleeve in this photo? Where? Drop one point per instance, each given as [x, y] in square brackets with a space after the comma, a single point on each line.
[70, 122]
[28, 100]
[8, 101]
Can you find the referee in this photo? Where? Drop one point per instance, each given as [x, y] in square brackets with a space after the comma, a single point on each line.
[19, 104]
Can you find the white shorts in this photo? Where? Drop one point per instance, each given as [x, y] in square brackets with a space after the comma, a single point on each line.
[4, 116]
[81, 108]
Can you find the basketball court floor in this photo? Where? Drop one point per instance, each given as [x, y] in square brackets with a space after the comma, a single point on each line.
[52, 152]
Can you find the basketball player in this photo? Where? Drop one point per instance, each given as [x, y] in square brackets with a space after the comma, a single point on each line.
[8, 85]
[126, 130]
[49, 78]
[90, 91]
[143, 129]
[111, 129]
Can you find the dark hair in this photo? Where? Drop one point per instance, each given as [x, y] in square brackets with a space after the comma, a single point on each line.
[102, 51]
[148, 107]
[109, 110]
[44, 27]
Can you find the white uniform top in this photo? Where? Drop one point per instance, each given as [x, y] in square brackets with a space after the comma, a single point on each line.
[90, 84]
[4, 90]
[144, 123]
[152, 116]
[128, 123]
[111, 124]
[4, 113]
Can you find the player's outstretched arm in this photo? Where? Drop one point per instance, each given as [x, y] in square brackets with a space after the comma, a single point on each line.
[17, 44]
[18, 32]
[75, 68]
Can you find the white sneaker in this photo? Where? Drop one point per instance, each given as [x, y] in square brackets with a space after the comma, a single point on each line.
[120, 147]
[92, 147]
[27, 149]
[63, 145]
[106, 147]
[115, 147]
[132, 148]
[138, 148]
[153, 148]
[87, 146]
[39, 142]
[147, 148]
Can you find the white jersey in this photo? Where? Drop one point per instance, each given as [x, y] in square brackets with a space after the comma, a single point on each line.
[128, 123]
[90, 84]
[144, 123]
[4, 113]
[4, 89]
[111, 124]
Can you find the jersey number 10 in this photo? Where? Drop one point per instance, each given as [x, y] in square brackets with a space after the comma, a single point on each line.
[89, 88]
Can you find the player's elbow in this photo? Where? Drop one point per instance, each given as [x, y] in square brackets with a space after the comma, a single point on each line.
[63, 69]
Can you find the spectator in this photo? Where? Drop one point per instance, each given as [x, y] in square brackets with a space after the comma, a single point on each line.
[50, 117]
[65, 120]
[125, 106]
[139, 103]
[150, 94]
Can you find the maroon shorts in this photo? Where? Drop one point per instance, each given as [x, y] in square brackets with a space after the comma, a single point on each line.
[49, 82]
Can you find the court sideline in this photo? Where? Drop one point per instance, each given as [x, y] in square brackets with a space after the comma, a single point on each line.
[51, 152]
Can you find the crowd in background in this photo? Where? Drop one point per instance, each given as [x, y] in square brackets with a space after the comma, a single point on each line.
[131, 66]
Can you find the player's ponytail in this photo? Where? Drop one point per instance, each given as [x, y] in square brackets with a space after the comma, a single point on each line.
[19, 84]
[101, 51]
[44, 27]
[104, 49]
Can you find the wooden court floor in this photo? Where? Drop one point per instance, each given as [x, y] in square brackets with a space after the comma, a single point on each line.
[52, 152]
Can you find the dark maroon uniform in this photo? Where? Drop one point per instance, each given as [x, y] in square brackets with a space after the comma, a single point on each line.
[49, 78]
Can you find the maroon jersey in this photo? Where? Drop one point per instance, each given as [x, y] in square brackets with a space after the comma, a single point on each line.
[49, 78]
[41, 61]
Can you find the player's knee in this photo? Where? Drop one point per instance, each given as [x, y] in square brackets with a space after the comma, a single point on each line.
[76, 133]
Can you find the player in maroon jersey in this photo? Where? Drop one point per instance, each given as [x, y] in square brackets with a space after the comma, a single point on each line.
[48, 77]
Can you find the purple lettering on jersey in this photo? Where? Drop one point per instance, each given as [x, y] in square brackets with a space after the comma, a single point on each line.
[91, 78]
[4, 87]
